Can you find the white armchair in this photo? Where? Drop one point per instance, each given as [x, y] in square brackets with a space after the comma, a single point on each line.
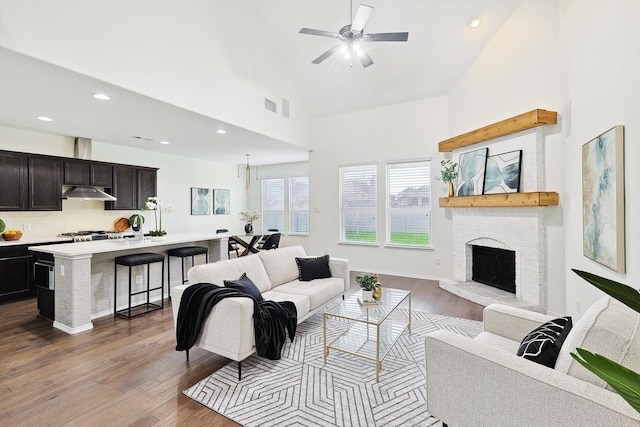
[481, 381]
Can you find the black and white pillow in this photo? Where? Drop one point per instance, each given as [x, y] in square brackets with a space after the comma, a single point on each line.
[542, 345]
[313, 268]
[246, 285]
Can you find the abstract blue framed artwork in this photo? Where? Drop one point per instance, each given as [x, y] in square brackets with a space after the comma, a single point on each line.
[603, 199]
[221, 202]
[471, 172]
[200, 201]
[502, 174]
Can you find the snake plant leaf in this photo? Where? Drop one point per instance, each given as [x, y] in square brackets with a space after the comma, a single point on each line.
[623, 380]
[623, 293]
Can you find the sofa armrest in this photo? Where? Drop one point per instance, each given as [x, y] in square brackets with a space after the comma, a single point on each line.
[340, 268]
[470, 383]
[511, 322]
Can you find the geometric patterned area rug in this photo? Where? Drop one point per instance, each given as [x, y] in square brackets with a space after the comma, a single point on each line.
[300, 390]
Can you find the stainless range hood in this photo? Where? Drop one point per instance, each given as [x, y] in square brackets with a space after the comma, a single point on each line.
[87, 193]
[82, 150]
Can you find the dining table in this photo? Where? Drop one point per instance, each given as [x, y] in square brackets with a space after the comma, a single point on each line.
[249, 242]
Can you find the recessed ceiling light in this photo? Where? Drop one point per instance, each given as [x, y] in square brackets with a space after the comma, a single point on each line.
[45, 119]
[221, 131]
[475, 22]
[164, 142]
[101, 96]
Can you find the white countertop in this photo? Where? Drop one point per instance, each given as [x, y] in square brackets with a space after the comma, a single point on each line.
[102, 246]
[26, 240]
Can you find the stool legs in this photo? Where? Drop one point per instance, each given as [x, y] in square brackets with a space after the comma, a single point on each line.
[127, 312]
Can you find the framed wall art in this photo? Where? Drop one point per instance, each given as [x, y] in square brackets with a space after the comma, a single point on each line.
[502, 173]
[221, 202]
[603, 199]
[200, 201]
[471, 172]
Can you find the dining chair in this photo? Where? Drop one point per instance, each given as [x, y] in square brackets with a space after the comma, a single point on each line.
[263, 239]
[231, 245]
[272, 242]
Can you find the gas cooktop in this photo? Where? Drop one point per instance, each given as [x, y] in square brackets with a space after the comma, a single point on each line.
[90, 235]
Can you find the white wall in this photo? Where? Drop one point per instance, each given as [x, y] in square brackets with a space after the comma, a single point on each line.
[176, 176]
[188, 53]
[396, 132]
[601, 41]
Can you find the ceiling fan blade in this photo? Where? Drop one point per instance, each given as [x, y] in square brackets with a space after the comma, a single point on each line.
[386, 37]
[365, 59]
[325, 55]
[361, 18]
[322, 33]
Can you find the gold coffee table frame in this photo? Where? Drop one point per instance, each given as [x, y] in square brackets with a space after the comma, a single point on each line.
[372, 331]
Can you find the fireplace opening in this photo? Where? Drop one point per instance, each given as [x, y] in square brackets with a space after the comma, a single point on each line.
[494, 267]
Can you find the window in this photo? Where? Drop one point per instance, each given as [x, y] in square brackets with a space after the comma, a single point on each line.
[273, 203]
[409, 203]
[299, 205]
[358, 203]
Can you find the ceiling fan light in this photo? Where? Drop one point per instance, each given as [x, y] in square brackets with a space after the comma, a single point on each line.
[343, 48]
[347, 55]
[356, 47]
[475, 23]
[360, 53]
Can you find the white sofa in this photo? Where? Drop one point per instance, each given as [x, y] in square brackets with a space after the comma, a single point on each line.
[228, 331]
[481, 381]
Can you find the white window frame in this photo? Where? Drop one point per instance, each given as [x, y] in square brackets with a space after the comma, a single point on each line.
[412, 219]
[292, 209]
[368, 168]
[264, 205]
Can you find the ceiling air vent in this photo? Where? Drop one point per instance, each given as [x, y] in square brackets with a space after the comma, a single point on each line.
[270, 105]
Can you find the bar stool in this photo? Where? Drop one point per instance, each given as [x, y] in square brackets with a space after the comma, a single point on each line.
[146, 258]
[182, 253]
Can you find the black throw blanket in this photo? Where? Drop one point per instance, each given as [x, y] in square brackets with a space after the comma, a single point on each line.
[271, 320]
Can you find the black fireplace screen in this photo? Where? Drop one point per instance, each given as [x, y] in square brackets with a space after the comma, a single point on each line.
[494, 267]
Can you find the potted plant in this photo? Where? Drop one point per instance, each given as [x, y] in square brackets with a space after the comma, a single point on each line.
[249, 215]
[368, 283]
[136, 221]
[448, 174]
[155, 204]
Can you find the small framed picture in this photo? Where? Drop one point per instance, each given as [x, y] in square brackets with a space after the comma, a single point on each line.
[200, 201]
[221, 202]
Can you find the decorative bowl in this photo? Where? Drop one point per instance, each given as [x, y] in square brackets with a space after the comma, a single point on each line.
[12, 235]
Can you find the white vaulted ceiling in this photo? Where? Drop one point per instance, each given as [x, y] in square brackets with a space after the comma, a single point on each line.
[440, 49]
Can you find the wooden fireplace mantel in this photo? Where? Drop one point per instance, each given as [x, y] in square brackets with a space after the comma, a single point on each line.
[514, 124]
[507, 200]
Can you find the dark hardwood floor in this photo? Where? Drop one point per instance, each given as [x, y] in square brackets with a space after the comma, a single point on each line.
[127, 372]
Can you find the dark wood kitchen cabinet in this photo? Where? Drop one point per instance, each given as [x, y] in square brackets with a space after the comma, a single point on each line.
[45, 183]
[14, 178]
[16, 273]
[131, 186]
[83, 172]
[147, 185]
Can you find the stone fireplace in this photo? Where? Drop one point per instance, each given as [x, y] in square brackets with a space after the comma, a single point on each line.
[518, 229]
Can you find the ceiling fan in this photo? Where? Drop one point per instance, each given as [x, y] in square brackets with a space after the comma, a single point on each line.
[351, 37]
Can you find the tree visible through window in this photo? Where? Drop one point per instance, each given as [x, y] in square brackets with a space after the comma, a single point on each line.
[409, 203]
[358, 203]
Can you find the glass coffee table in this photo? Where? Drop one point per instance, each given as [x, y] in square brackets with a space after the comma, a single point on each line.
[372, 331]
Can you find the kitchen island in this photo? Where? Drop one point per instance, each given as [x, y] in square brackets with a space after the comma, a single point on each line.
[84, 273]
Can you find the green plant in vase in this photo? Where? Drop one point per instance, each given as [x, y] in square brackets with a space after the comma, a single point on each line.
[155, 204]
[448, 174]
[369, 283]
